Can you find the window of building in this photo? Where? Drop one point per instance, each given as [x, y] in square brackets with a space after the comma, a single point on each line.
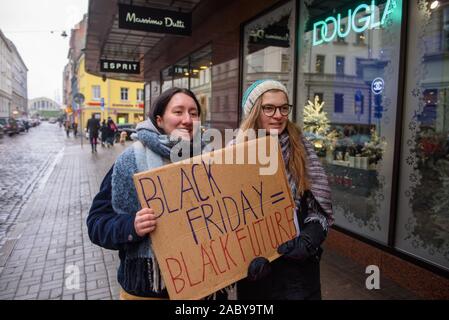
[96, 93]
[269, 47]
[340, 65]
[342, 31]
[422, 228]
[360, 38]
[319, 63]
[356, 146]
[445, 28]
[139, 95]
[339, 103]
[124, 94]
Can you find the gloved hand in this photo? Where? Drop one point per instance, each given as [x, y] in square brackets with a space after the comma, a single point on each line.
[306, 245]
[258, 269]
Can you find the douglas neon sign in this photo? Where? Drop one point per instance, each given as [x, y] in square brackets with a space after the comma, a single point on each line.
[356, 21]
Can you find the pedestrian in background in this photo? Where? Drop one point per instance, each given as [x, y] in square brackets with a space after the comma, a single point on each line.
[75, 129]
[93, 126]
[103, 132]
[67, 128]
[296, 274]
[110, 132]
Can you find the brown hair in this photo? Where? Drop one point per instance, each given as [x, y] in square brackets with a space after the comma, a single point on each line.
[297, 161]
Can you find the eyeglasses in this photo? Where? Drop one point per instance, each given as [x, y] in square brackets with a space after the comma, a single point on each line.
[270, 110]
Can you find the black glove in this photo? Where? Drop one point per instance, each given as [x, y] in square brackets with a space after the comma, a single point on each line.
[258, 269]
[306, 245]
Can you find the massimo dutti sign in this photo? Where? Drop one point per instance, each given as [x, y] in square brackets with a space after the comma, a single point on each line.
[118, 66]
[154, 20]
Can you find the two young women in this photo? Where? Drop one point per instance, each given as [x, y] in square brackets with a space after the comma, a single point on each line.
[117, 222]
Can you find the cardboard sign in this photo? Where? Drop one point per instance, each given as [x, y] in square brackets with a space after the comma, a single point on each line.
[213, 219]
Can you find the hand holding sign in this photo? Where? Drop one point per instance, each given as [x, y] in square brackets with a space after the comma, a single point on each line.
[145, 222]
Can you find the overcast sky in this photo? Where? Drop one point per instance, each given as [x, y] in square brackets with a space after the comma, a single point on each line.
[28, 23]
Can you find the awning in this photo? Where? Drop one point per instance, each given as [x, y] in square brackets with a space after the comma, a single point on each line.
[105, 40]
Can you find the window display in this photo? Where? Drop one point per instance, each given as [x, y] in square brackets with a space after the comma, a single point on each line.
[347, 95]
[423, 220]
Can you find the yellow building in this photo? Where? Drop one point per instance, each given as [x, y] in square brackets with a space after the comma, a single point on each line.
[123, 100]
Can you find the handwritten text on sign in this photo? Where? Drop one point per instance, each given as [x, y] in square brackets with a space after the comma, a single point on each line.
[213, 220]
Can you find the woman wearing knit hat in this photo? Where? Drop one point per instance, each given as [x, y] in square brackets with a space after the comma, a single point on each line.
[296, 274]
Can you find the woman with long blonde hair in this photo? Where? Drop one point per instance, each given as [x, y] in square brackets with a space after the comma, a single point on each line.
[296, 274]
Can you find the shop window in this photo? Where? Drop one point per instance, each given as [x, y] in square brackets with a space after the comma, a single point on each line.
[269, 44]
[122, 118]
[181, 73]
[355, 147]
[155, 92]
[200, 81]
[167, 78]
[422, 228]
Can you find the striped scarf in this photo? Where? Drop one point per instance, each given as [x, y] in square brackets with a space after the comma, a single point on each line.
[320, 205]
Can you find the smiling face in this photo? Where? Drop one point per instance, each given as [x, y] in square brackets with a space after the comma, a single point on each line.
[179, 117]
[277, 121]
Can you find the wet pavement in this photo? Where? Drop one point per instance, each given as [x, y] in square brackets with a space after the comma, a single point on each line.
[47, 185]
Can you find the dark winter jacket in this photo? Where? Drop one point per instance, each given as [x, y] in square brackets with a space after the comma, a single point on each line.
[93, 125]
[288, 279]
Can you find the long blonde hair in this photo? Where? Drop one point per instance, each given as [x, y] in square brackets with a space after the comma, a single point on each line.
[297, 162]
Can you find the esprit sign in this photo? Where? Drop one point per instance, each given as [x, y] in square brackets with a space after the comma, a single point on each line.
[117, 66]
[154, 20]
[362, 18]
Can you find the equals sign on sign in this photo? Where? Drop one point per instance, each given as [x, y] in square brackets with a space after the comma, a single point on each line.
[275, 198]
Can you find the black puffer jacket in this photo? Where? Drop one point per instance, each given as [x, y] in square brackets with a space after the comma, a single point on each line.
[289, 279]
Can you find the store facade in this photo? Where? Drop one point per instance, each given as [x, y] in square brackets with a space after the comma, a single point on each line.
[369, 82]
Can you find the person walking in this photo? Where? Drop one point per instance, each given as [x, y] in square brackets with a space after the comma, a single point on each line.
[75, 128]
[110, 132]
[103, 133]
[93, 125]
[67, 128]
[296, 274]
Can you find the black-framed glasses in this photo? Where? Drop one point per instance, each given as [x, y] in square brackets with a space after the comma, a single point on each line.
[270, 110]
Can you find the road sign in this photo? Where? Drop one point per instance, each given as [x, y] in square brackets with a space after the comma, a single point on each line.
[79, 98]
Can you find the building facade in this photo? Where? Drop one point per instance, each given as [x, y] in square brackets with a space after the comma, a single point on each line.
[6, 58]
[122, 101]
[44, 106]
[369, 83]
[19, 78]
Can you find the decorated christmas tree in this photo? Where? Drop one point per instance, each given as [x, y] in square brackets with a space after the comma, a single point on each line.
[315, 119]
